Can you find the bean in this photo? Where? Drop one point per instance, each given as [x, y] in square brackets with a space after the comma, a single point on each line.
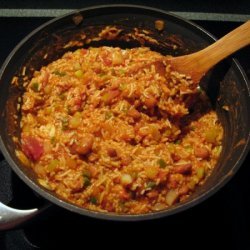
[134, 114]
[183, 168]
[150, 102]
[201, 152]
[183, 190]
[84, 144]
[111, 152]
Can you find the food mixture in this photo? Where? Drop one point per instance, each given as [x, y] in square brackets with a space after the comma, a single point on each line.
[116, 130]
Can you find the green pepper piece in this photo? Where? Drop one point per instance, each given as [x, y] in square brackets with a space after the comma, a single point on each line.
[161, 163]
[93, 200]
[35, 86]
[151, 184]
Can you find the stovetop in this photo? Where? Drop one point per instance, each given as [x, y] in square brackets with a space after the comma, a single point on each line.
[222, 220]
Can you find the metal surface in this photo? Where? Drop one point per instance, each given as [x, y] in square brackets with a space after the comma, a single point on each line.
[236, 131]
[224, 17]
[11, 217]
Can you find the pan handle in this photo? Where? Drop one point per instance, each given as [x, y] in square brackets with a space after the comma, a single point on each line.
[11, 217]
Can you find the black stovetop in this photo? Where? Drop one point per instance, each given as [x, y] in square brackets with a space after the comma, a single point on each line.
[222, 220]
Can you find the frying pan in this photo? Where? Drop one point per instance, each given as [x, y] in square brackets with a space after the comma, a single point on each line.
[226, 85]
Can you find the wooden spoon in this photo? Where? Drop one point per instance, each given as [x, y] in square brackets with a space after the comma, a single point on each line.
[197, 64]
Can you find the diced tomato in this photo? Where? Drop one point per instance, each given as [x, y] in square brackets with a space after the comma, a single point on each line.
[109, 96]
[107, 61]
[98, 71]
[172, 181]
[106, 58]
[64, 86]
[125, 159]
[183, 168]
[84, 52]
[150, 102]
[121, 192]
[183, 190]
[134, 114]
[93, 171]
[152, 194]
[124, 195]
[45, 78]
[107, 205]
[32, 147]
[78, 101]
[162, 175]
[160, 68]
[175, 157]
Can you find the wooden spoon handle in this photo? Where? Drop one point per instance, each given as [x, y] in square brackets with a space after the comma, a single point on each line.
[224, 47]
[197, 64]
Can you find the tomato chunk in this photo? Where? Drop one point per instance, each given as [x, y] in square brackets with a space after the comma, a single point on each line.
[32, 147]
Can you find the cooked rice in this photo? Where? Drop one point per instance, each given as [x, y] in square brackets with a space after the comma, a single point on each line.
[110, 130]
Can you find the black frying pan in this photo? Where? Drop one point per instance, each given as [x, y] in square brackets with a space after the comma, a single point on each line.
[226, 85]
